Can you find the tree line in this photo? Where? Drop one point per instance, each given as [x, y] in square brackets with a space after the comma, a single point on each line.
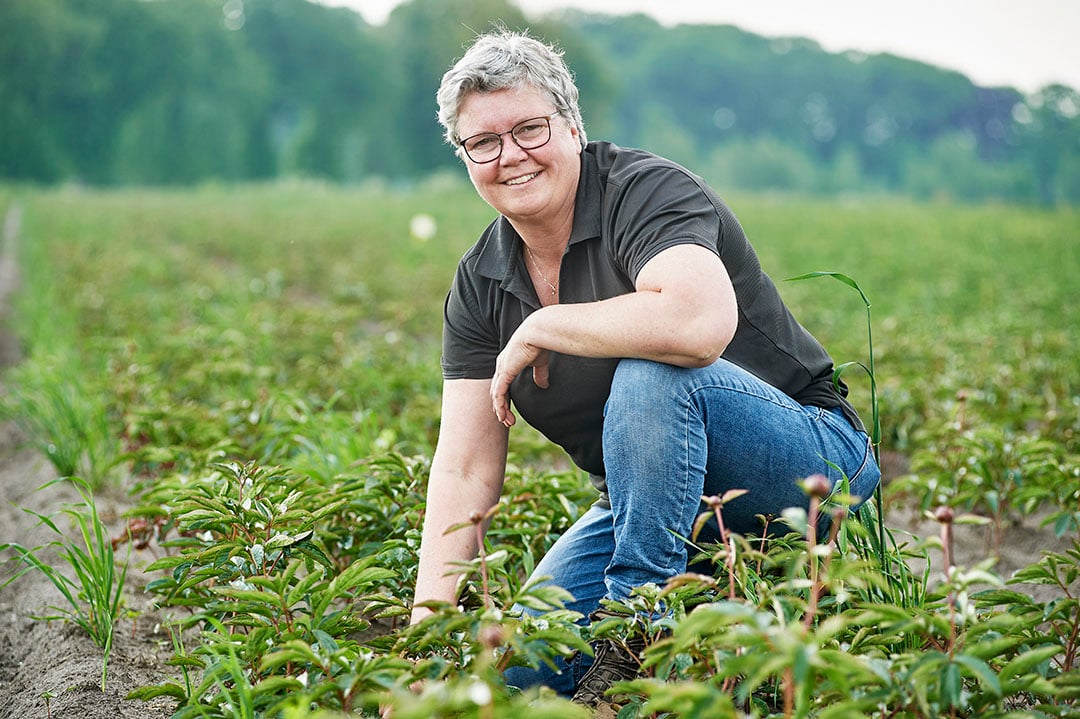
[172, 92]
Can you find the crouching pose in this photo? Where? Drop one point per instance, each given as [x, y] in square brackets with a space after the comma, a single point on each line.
[616, 305]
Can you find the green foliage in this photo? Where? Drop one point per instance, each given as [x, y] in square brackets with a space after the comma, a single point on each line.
[1059, 618]
[319, 120]
[277, 606]
[55, 397]
[188, 91]
[775, 654]
[1000, 475]
[281, 605]
[94, 597]
[268, 358]
[66, 421]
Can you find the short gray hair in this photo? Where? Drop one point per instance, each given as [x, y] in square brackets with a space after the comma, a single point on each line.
[504, 60]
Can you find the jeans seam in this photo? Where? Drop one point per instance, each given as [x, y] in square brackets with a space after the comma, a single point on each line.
[747, 393]
[865, 462]
[674, 554]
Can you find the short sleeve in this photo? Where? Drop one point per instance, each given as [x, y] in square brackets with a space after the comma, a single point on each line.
[470, 343]
[656, 207]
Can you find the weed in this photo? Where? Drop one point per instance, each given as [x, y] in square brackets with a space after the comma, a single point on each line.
[62, 417]
[875, 411]
[94, 596]
[48, 696]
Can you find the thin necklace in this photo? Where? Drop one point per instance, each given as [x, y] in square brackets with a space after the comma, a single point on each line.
[554, 287]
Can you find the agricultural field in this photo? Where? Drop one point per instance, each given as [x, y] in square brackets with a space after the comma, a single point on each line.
[240, 389]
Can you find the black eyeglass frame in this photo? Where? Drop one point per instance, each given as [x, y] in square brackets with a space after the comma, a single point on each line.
[510, 132]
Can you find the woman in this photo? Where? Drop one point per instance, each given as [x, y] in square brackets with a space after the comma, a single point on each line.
[616, 305]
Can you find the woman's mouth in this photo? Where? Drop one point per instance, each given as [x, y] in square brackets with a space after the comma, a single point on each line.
[521, 180]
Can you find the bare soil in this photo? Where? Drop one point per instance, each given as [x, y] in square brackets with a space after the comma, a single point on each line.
[52, 670]
[40, 658]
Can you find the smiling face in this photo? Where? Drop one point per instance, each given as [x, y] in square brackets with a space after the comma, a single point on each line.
[527, 186]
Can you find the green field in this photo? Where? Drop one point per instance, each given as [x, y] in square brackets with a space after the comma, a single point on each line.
[260, 366]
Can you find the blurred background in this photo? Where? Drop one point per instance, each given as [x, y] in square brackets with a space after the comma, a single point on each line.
[182, 92]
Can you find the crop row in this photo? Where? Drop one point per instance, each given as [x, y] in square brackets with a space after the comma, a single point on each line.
[259, 368]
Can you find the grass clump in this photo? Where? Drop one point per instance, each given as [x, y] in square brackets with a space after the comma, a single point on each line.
[94, 597]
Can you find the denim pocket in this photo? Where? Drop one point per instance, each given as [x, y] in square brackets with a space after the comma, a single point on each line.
[855, 447]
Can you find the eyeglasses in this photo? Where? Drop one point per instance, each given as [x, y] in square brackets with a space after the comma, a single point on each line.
[527, 134]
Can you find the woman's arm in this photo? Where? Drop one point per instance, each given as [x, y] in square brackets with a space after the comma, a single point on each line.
[683, 312]
[467, 474]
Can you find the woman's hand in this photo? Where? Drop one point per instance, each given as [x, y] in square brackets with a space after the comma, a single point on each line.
[683, 312]
[518, 354]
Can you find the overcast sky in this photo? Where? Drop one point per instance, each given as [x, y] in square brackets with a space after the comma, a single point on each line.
[1025, 44]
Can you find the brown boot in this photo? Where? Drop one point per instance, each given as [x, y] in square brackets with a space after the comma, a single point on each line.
[613, 661]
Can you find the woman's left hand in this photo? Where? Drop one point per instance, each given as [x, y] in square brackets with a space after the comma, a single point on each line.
[512, 361]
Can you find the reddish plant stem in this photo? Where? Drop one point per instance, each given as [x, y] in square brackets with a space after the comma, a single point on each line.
[729, 546]
[811, 546]
[945, 516]
[477, 521]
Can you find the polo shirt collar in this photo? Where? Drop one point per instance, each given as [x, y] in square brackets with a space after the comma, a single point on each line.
[498, 258]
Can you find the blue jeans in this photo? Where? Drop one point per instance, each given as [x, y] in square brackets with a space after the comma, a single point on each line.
[671, 435]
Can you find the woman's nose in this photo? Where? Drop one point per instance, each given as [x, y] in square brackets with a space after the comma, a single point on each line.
[512, 153]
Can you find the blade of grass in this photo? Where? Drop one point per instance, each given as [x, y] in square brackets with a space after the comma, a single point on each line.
[95, 595]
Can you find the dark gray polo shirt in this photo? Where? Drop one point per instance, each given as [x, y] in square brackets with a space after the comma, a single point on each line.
[630, 205]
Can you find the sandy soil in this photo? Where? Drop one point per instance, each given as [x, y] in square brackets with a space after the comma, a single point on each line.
[39, 658]
[58, 658]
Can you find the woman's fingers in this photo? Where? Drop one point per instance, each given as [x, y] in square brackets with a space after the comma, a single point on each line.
[511, 362]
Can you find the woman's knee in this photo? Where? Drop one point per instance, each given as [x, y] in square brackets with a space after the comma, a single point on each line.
[636, 379]
[645, 402]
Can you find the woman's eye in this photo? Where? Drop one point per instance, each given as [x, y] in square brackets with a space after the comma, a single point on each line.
[483, 143]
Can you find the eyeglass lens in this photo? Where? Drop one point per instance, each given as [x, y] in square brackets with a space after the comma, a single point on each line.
[527, 134]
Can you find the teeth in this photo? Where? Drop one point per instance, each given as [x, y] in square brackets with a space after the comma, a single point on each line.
[521, 180]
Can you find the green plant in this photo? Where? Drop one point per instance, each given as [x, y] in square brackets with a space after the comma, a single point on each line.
[1060, 618]
[63, 417]
[875, 412]
[458, 656]
[94, 596]
[278, 614]
[815, 643]
[893, 567]
[48, 696]
[1002, 475]
[258, 345]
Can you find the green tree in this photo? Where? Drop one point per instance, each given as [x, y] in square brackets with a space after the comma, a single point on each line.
[952, 168]
[422, 39]
[41, 45]
[179, 91]
[763, 163]
[1052, 132]
[193, 122]
[326, 89]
